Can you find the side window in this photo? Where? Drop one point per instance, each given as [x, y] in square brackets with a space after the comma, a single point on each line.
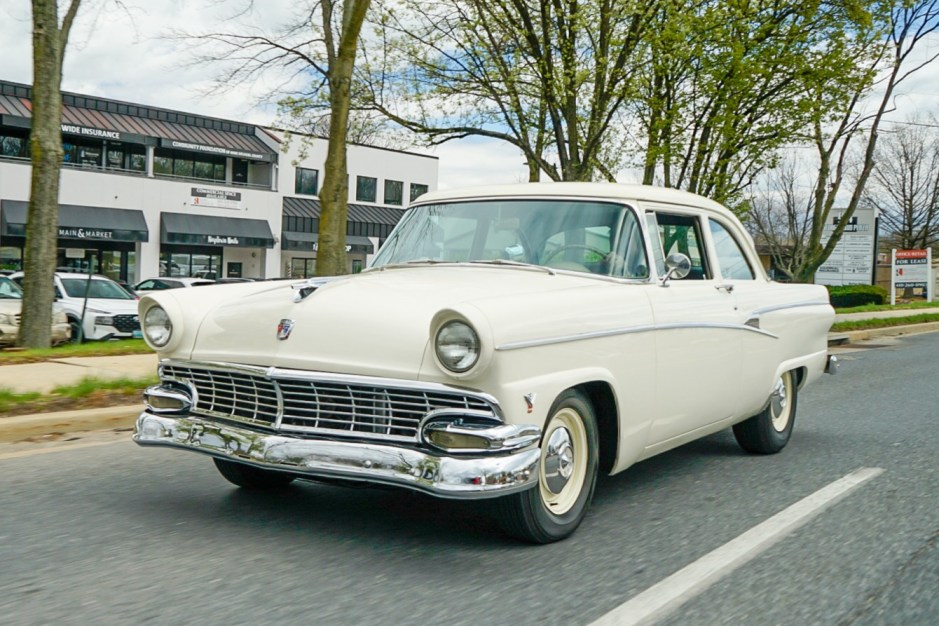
[730, 257]
[682, 233]
[145, 285]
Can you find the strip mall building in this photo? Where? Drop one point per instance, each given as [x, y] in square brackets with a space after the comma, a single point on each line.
[152, 192]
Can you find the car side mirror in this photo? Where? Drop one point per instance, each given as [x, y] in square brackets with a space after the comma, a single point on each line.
[677, 266]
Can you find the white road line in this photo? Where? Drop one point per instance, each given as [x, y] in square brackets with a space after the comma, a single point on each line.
[665, 596]
[47, 450]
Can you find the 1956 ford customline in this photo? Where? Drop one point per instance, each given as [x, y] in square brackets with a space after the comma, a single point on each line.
[507, 342]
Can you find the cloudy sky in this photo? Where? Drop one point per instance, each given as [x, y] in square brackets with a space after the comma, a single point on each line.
[120, 54]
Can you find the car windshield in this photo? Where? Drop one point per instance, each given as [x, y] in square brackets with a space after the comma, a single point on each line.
[579, 235]
[9, 290]
[98, 288]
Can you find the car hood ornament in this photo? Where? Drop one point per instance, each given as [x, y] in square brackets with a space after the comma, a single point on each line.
[284, 328]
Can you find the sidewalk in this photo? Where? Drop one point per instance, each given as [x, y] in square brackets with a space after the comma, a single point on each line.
[46, 376]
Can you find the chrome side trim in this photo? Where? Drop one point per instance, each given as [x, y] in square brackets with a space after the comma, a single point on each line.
[631, 330]
[464, 477]
[783, 307]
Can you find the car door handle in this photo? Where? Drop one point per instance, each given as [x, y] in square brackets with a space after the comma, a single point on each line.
[726, 287]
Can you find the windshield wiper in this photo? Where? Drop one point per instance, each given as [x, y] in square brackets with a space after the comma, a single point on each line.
[512, 264]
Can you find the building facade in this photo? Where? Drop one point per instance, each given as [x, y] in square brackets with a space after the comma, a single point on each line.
[150, 192]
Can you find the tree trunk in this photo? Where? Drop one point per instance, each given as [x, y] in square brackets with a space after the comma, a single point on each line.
[45, 143]
[334, 196]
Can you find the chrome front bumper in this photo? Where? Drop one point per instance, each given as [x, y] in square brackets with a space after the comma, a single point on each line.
[449, 476]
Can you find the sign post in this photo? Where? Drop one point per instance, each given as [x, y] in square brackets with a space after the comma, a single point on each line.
[911, 269]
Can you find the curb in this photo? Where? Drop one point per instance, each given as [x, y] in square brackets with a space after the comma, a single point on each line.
[888, 331]
[21, 427]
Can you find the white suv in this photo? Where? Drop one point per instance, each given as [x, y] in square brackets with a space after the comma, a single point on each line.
[111, 312]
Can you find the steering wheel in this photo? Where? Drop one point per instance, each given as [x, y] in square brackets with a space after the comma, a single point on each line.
[572, 246]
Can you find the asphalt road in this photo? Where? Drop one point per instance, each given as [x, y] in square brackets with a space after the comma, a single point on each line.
[117, 534]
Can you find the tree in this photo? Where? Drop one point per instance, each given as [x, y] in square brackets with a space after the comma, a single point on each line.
[723, 85]
[904, 25]
[550, 78]
[319, 48]
[45, 144]
[904, 185]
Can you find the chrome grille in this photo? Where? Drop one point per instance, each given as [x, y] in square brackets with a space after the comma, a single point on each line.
[311, 404]
[233, 394]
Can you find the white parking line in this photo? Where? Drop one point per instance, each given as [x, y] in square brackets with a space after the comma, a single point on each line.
[665, 596]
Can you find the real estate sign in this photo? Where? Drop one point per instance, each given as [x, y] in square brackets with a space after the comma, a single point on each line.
[911, 269]
[852, 260]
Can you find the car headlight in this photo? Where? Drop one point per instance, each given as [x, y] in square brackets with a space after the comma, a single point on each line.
[157, 326]
[457, 346]
[59, 317]
[104, 320]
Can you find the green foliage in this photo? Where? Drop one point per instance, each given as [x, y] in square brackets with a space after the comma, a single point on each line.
[94, 348]
[842, 296]
[887, 322]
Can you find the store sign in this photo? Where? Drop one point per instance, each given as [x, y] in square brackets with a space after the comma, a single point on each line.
[223, 240]
[218, 198]
[316, 247]
[87, 131]
[199, 147]
[911, 269]
[852, 260]
[85, 233]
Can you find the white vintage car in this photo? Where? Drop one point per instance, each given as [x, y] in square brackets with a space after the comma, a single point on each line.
[507, 342]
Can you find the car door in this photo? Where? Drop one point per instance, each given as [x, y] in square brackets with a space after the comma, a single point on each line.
[698, 342]
[754, 296]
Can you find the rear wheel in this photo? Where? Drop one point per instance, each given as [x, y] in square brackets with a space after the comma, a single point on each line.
[249, 477]
[566, 478]
[768, 432]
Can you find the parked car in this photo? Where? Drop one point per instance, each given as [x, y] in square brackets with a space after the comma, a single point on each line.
[11, 304]
[110, 312]
[507, 342]
[159, 284]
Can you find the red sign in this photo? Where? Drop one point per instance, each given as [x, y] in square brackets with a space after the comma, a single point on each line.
[912, 254]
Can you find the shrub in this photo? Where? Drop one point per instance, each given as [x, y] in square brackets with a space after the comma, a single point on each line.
[843, 296]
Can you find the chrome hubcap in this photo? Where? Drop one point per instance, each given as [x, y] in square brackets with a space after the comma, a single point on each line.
[558, 460]
[778, 398]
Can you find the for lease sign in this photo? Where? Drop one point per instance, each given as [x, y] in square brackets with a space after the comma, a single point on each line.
[911, 269]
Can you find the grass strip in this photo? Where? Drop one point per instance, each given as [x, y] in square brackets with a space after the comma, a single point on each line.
[88, 393]
[119, 347]
[873, 308]
[886, 322]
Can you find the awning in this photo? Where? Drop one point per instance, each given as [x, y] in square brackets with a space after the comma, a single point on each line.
[207, 230]
[308, 241]
[84, 223]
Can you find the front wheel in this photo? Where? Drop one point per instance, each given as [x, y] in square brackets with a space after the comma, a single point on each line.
[249, 477]
[768, 432]
[566, 477]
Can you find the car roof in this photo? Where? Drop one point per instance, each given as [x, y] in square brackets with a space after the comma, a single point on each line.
[605, 191]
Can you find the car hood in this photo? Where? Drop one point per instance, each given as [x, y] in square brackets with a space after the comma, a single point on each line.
[107, 305]
[378, 323]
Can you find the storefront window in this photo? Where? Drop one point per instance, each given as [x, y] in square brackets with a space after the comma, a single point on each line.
[126, 156]
[186, 165]
[14, 144]
[11, 258]
[417, 191]
[200, 264]
[302, 268]
[366, 188]
[394, 192]
[307, 181]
